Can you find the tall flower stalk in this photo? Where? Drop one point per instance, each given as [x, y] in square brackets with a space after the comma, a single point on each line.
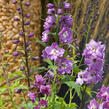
[25, 44]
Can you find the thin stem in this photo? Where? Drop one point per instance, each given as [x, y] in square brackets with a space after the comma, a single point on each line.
[25, 45]
[89, 26]
[83, 96]
[7, 82]
[70, 97]
[66, 93]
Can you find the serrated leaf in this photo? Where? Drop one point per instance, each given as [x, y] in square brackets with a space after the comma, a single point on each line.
[77, 88]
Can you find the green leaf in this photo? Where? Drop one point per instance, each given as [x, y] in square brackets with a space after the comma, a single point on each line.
[89, 92]
[72, 46]
[40, 42]
[53, 67]
[48, 61]
[39, 68]
[65, 78]
[6, 55]
[76, 68]
[77, 87]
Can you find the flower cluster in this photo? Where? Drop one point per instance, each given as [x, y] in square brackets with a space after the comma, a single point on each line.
[103, 99]
[94, 59]
[57, 31]
[40, 83]
[57, 20]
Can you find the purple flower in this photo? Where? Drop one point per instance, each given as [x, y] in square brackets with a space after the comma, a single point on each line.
[16, 41]
[28, 15]
[80, 79]
[65, 66]
[28, 49]
[65, 20]
[50, 20]
[36, 58]
[37, 107]
[18, 91]
[32, 96]
[59, 11]
[14, 1]
[93, 104]
[92, 76]
[27, 23]
[28, 43]
[45, 89]
[22, 68]
[6, 51]
[89, 76]
[27, 4]
[31, 34]
[50, 5]
[95, 49]
[21, 33]
[65, 35]
[103, 93]
[51, 11]
[22, 107]
[18, 9]
[94, 63]
[45, 36]
[53, 52]
[16, 19]
[39, 80]
[15, 53]
[43, 103]
[51, 74]
[105, 105]
[66, 5]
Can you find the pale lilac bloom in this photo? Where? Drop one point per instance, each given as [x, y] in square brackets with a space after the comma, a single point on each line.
[53, 52]
[93, 104]
[51, 11]
[45, 36]
[40, 80]
[95, 49]
[103, 93]
[65, 35]
[92, 76]
[50, 5]
[45, 89]
[66, 5]
[50, 20]
[59, 11]
[94, 63]
[32, 96]
[80, 79]
[65, 66]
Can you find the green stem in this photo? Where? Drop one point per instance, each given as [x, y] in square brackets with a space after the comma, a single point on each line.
[89, 26]
[83, 96]
[70, 97]
[66, 93]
